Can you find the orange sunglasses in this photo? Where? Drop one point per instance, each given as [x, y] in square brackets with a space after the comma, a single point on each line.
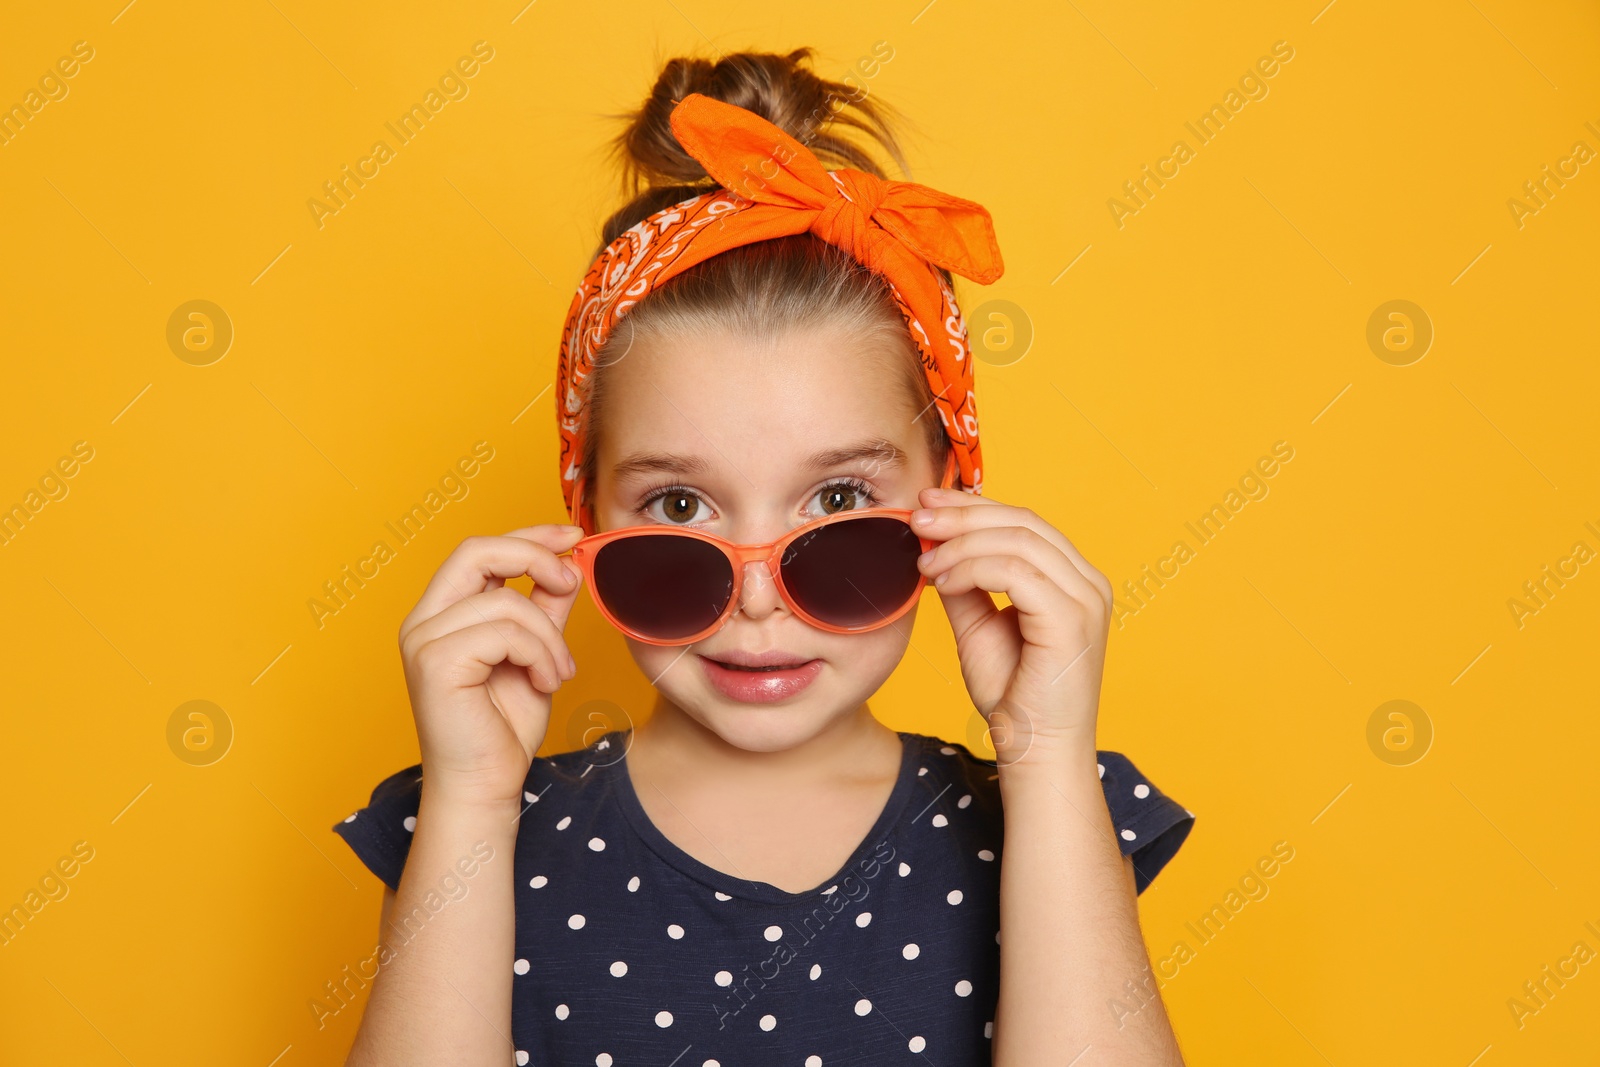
[850, 572]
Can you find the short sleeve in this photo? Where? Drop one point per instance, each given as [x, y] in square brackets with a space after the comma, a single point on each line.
[380, 833]
[1150, 825]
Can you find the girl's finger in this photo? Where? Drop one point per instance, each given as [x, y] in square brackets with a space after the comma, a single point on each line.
[465, 657]
[526, 708]
[481, 563]
[532, 533]
[504, 605]
[955, 512]
[1046, 615]
[1020, 541]
[481, 653]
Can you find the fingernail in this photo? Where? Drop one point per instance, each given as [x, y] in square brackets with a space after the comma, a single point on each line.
[572, 573]
[572, 664]
[940, 580]
[921, 517]
[922, 560]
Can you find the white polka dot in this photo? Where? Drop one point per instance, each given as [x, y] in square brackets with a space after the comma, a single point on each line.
[905, 869]
[816, 970]
[863, 1006]
[997, 937]
[674, 931]
[410, 822]
[864, 918]
[723, 896]
[954, 896]
[538, 881]
[619, 969]
[522, 1058]
[921, 771]
[711, 1063]
[911, 951]
[1128, 835]
[1141, 790]
[531, 798]
[575, 921]
[963, 988]
[521, 966]
[947, 750]
[813, 1061]
[1102, 767]
[768, 1022]
[597, 844]
[633, 884]
[988, 1029]
[566, 821]
[829, 891]
[724, 978]
[940, 820]
[917, 1044]
[964, 801]
[562, 1011]
[663, 1019]
[985, 855]
[603, 1060]
[772, 933]
[352, 818]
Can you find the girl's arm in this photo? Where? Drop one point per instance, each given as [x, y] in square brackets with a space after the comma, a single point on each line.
[443, 989]
[1069, 922]
[1069, 927]
[481, 661]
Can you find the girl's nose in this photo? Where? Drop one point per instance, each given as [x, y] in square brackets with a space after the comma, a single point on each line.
[759, 596]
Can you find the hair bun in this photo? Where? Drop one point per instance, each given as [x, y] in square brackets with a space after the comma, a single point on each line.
[779, 87]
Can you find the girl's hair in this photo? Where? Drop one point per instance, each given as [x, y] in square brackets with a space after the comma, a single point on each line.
[765, 287]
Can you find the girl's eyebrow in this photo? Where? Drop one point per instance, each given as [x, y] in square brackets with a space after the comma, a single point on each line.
[666, 462]
[881, 452]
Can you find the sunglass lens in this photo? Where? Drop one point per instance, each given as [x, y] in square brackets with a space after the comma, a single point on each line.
[663, 586]
[855, 572]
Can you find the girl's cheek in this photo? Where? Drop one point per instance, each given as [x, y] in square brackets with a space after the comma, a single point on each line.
[877, 653]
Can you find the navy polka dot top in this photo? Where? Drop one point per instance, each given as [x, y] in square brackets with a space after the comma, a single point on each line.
[630, 951]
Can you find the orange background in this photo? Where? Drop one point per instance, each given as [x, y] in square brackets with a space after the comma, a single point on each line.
[1172, 348]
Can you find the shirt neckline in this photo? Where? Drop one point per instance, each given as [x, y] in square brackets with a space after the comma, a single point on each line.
[753, 889]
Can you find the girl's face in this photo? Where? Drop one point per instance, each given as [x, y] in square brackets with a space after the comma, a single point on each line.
[726, 434]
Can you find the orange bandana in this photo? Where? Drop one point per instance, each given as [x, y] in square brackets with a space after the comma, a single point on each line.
[774, 186]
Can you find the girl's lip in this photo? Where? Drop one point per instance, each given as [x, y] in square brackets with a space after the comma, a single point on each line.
[734, 657]
[760, 687]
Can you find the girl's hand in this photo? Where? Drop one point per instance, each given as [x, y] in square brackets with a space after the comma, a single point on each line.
[1033, 668]
[481, 661]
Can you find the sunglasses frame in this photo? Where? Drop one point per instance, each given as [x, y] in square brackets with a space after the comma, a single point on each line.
[585, 552]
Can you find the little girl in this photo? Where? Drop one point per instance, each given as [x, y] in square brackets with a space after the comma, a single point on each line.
[762, 873]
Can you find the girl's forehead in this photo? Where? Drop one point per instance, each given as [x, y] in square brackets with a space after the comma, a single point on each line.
[737, 395]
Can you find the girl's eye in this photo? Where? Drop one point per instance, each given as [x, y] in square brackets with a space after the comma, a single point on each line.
[679, 505]
[847, 494]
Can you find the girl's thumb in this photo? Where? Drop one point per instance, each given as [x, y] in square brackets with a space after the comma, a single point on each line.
[558, 604]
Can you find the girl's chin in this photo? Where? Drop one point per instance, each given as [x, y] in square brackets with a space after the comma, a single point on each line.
[762, 727]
